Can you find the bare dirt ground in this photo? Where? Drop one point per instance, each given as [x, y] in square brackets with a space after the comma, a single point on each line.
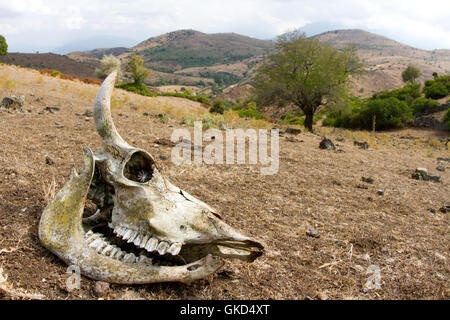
[320, 189]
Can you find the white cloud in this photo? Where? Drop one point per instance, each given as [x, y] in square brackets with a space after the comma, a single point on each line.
[423, 24]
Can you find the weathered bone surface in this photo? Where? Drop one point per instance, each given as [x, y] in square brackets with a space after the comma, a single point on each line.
[146, 229]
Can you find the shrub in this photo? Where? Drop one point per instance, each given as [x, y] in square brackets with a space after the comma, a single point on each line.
[56, 73]
[447, 118]
[250, 112]
[108, 64]
[408, 93]
[421, 104]
[3, 46]
[136, 88]
[293, 117]
[437, 88]
[390, 113]
[218, 106]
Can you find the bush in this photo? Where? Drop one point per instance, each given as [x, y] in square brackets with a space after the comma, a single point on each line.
[293, 117]
[3, 46]
[421, 104]
[108, 64]
[408, 93]
[447, 118]
[390, 113]
[437, 88]
[250, 112]
[136, 88]
[218, 107]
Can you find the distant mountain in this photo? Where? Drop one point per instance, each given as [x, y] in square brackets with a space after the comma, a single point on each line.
[183, 49]
[92, 43]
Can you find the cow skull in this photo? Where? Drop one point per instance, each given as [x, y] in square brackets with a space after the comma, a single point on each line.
[145, 230]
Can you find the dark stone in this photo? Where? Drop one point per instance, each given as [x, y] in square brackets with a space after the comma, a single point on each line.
[163, 157]
[368, 180]
[445, 209]
[89, 113]
[432, 210]
[13, 103]
[361, 145]
[380, 192]
[291, 130]
[52, 109]
[440, 168]
[327, 144]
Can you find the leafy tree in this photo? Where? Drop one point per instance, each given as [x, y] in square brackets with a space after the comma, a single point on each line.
[3, 46]
[304, 72]
[138, 72]
[410, 74]
[108, 64]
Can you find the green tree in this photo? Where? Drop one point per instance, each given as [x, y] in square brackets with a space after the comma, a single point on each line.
[304, 72]
[138, 72]
[108, 64]
[3, 46]
[410, 74]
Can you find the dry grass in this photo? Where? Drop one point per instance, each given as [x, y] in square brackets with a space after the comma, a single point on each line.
[313, 188]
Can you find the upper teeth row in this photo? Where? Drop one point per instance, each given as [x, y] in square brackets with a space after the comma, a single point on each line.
[146, 241]
[101, 246]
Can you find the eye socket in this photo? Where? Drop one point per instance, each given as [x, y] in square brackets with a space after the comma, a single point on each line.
[139, 167]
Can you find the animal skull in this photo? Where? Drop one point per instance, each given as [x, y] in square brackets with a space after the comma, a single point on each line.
[146, 229]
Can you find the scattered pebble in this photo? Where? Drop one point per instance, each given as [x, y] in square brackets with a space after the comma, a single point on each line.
[327, 144]
[49, 161]
[311, 232]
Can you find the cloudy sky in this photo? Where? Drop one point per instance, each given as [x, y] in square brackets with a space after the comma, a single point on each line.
[43, 25]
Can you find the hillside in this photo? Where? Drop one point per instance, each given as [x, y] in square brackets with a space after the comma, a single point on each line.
[64, 64]
[357, 228]
[386, 59]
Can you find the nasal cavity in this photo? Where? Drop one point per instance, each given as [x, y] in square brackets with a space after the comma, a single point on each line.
[139, 167]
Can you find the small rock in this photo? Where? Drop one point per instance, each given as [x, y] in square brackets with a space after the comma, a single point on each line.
[361, 145]
[101, 288]
[380, 192]
[422, 171]
[292, 130]
[163, 157]
[52, 110]
[223, 126]
[432, 210]
[440, 168]
[327, 144]
[89, 113]
[49, 161]
[368, 180]
[340, 139]
[445, 209]
[434, 177]
[311, 232]
[13, 102]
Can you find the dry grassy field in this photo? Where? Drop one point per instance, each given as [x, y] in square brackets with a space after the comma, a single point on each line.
[321, 189]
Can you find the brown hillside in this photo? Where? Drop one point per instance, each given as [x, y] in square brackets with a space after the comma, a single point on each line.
[53, 61]
[386, 59]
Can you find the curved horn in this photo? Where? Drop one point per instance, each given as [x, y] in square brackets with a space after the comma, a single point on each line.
[102, 115]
